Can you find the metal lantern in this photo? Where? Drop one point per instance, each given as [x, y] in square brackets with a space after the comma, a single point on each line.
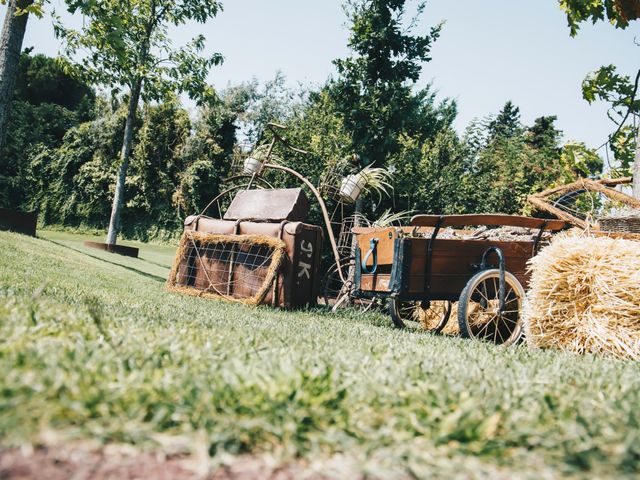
[351, 187]
[252, 166]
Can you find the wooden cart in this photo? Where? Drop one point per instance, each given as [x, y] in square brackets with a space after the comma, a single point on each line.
[413, 267]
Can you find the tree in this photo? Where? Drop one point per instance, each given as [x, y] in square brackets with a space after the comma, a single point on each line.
[46, 104]
[15, 25]
[496, 172]
[176, 167]
[506, 123]
[607, 84]
[618, 12]
[43, 79]
[125, 46]
[373, 91]
[543, 135]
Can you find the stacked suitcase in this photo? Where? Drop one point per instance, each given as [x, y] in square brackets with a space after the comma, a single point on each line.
[275, 214]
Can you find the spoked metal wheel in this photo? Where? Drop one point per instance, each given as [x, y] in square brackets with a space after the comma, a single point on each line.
[432, 316]
[228, 190]
[479, 314]
[338, 294]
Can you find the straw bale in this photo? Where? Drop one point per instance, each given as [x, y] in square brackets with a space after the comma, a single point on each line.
[429, 318]
[584, 296]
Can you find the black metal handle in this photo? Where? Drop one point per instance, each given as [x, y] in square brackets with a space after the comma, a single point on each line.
[501, 268]
[373, 250]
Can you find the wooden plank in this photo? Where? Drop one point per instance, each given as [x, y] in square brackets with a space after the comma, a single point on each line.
[487, 219]
[375, 283]
[445, 286]
[386, 238]
[458, 257]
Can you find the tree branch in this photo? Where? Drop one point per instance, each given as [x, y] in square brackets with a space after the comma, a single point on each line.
[629, 109]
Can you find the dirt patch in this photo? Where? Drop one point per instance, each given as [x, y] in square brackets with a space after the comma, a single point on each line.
[81, 464]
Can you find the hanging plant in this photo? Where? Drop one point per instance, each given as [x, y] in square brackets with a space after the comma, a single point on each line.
[368, 180]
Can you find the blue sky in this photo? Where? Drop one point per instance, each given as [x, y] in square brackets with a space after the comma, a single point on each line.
[489, 52]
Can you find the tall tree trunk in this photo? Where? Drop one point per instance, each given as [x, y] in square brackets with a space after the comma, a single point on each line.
[10, 47]
[125, 155]
[636, 168]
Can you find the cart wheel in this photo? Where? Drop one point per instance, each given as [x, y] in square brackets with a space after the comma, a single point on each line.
[433, 318]
[338, 294]
[478, 311]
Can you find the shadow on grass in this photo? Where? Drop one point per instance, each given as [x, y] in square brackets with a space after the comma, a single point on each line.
[156, 264]
[150, 276]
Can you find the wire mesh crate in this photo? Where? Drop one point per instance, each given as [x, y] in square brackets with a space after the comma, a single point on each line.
[233, 267]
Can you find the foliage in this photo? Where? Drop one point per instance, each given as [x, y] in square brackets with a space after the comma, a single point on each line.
[507, 123]
[501, 170]
[579, 161]
[260, 104]
[104, 352]
[607, 84]
[47, 103]
[123, 43]
[373, 93]
[207, 158]
[618, 12]
[43, 79]
[493, 168]
[376, 180]
[126, 45]
[71, 184]
[427, 176]
[34, 7]
[175, 169]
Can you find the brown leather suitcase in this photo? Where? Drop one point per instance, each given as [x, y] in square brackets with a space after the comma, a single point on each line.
[269, 205]
[297, 283]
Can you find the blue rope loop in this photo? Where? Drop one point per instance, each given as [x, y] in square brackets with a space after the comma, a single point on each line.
[373, 250]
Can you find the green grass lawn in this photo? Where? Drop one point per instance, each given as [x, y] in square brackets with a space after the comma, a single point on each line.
[93, 346]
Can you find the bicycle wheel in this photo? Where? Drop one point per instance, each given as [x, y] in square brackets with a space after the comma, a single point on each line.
[339, 294]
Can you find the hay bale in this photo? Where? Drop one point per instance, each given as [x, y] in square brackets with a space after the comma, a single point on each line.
[429, 318]
[452, 328]
[584, 297]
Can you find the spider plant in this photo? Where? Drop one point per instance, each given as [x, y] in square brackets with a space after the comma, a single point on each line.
[378, 180]
[389, 219]
[368, 180]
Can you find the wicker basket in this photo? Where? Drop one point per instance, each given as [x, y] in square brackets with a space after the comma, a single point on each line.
[629, 224]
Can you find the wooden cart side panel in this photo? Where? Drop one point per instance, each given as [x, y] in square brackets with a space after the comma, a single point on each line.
[444, 287]
[449, 286]
[454, 262]
[458, 257]
[386, 238]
